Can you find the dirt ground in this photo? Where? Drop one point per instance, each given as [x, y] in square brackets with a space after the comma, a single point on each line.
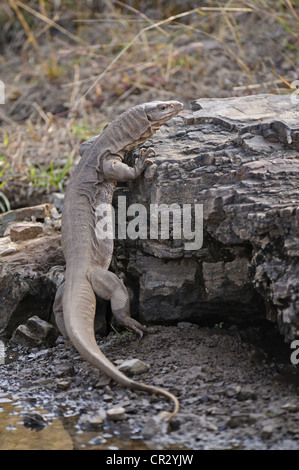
[234, 393]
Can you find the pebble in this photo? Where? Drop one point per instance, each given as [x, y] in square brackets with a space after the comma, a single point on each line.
[233, 390]
[267, 431]
[133, 367]
[290, 406]
[116, 414]
[63, 385]
[107, 397]
[25, 231]
[34, 420]
[35, 333]
[92, 420]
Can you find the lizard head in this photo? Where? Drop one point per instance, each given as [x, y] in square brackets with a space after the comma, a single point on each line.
[158, 112]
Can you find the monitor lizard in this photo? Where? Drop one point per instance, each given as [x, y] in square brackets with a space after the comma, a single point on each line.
[87, 257]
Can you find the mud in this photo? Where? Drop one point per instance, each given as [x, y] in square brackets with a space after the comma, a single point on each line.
[236, 392]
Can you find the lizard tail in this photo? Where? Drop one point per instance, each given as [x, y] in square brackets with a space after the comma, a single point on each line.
[159, 391]
[79, 305]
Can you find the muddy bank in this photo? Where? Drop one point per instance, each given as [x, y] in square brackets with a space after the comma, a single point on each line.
[233, 394]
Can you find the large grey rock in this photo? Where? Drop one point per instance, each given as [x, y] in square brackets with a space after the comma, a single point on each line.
[28, 279]
[238, 157]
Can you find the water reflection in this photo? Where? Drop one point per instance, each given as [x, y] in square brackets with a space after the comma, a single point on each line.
[15, 436]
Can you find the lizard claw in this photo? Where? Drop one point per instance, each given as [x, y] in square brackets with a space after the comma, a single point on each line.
[134, 326]
[146, 152]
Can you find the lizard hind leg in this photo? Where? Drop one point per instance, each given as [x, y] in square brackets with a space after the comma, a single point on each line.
[108, 286]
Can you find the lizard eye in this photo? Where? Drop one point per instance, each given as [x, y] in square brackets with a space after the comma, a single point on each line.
[162, 107]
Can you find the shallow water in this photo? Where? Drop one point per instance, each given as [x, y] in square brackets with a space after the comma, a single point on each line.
[15, 436]
[57, 434]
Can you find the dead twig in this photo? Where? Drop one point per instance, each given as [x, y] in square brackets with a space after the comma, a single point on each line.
[47, 20]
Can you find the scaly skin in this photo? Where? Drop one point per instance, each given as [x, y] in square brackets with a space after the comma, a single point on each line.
[87, 257]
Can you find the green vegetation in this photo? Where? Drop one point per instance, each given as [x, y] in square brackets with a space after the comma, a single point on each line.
[4, 202]
[47, 177]
[219, 325]
[118, 334]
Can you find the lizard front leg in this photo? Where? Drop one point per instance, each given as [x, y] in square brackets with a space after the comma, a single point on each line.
[115, 170]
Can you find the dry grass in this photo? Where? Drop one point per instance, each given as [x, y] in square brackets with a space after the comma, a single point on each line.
[68, 70]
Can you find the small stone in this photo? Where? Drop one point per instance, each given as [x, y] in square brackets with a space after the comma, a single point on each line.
[133, 367]
[25, 231]
[233, 390]
[34, 420]
[35, 333]
[107, 397]
[96, 420]
[267, 431]
[33, 213]
[116, 414]
[41, 327]
[63, 385]
[22, 335]
[92, 421]
[290, 406]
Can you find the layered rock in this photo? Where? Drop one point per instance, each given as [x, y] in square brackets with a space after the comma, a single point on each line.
[238, 158]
